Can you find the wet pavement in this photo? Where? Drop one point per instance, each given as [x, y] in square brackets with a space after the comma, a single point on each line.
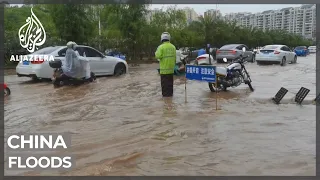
[122, 126]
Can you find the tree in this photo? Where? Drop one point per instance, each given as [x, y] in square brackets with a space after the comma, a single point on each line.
[129, 20]
[74, 22]
[124, 27]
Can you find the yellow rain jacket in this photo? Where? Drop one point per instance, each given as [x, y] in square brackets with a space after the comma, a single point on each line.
[166, 54]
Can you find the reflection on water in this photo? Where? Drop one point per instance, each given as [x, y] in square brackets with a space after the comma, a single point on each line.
[122, 126]
[169, 107]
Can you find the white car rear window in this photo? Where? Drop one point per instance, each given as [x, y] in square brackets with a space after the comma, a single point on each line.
[46, 50]
[271, 47]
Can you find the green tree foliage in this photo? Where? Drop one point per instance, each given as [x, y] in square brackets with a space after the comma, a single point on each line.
[124, 27]
[73, 22]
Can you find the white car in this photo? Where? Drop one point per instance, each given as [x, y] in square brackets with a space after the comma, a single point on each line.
[99, 64]
[312, 49]
[204, 59]
[276, 53]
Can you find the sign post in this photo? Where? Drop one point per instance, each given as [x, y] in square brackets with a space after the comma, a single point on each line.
[208, 51]
[185, 88]
[201, 73]
[210, 62]
[216, 97]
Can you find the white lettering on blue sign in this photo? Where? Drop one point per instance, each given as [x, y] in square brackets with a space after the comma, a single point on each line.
[207, 71]
[188, 70]
[212, 71]
[202, 70]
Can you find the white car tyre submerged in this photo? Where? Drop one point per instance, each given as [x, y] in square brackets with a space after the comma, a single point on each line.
[283, 62]
[120, 69]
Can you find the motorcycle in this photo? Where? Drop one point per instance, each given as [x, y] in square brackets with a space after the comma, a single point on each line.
[232, 76]
[6, 90]
[59, 79]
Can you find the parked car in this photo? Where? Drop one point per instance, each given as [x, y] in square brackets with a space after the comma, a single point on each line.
[277, 54]
[301, 51]
[233, 51]
[99, 63]
[312, 49]
[204, 60]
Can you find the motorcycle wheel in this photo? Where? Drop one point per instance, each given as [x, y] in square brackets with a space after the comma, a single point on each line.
[58, 83]
[93, 76]
[7, 91]
[212, 87]
[247, 79]
[250, 86]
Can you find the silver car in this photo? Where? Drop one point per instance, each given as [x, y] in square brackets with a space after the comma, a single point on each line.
[277, 54]
[233, 51]
[99, 63]
[312, 49]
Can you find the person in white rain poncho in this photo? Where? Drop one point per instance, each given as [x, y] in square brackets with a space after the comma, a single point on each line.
[86, 66]
[76, 66]
[72, 67]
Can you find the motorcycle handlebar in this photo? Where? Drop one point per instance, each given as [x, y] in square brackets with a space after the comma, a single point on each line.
[241, 59]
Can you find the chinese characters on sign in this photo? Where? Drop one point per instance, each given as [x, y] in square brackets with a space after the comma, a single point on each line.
[201, 73]
[204, 71]
[192, 70]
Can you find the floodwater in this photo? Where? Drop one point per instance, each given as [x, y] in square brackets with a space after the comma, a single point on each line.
[122, 126]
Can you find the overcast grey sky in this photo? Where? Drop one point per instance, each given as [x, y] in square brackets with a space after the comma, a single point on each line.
[229, 8]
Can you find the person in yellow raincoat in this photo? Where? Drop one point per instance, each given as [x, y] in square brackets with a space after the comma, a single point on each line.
[166, 54]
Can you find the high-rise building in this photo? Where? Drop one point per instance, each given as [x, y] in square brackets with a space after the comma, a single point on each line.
[191, 14]
[215, 13]
[300, 20]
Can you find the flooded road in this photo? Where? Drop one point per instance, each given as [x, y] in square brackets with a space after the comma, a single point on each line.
[122, 126]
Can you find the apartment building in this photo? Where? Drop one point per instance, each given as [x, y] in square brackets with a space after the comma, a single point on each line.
[214, 13]
[300, 20]
[191, 14]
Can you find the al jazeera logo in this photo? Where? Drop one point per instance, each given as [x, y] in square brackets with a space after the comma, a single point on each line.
[31, 36]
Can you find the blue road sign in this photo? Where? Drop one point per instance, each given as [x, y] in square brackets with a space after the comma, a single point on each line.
[201, 73]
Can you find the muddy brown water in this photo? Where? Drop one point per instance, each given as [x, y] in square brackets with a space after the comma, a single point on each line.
[122, 126]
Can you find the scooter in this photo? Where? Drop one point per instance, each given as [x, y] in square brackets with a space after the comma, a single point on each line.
[231, 76]
[6, 90]
[179, 68]
[59, 79]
